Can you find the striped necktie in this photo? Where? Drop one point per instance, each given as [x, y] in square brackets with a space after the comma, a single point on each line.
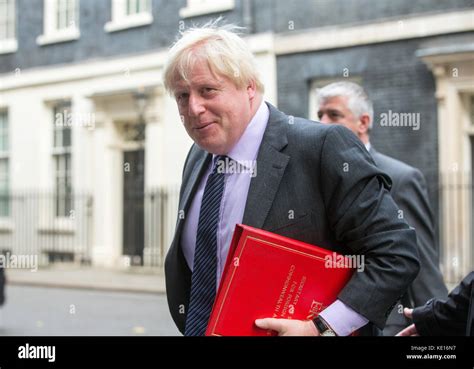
[203, 280]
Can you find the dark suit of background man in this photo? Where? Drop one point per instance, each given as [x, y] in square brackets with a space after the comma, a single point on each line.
[451, 317]
[314, 182]
[346, 103]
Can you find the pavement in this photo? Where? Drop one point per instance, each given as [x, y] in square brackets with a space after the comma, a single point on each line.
[133, 279]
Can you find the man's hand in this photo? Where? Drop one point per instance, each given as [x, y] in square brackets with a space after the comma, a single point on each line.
[288, 327]
[411, 329]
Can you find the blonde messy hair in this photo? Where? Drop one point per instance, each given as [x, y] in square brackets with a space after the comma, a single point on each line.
[225, 53]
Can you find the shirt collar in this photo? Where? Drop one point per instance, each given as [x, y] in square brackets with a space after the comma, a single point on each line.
[246, 149]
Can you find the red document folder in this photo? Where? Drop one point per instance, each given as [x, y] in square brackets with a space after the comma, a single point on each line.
[267, 275]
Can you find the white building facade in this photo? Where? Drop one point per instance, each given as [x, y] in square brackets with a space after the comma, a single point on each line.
[92, 147]
[95, 153]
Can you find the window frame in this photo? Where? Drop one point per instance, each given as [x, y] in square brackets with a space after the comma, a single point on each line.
[51, 32]
[121, 20]
[196, 8]
[5, 157]
[62, 163]
[9, 44]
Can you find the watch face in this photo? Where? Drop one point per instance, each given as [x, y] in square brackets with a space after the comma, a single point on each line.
[323, 328]
[320, 326]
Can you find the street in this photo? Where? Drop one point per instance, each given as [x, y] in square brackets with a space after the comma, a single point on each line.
[40, 311]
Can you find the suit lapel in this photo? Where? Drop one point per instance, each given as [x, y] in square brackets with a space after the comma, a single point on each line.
[271, 164]
[192, 184]
[178, 274]
[372, 151]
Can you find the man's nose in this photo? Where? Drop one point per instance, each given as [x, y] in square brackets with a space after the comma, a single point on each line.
[324, 119]
[195, 105]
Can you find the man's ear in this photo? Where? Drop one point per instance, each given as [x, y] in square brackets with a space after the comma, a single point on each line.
[364, 121]
[251, 89]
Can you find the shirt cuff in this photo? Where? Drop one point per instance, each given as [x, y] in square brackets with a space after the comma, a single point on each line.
[342, 319]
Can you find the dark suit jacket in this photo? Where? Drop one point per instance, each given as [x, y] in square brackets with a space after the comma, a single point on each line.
[452, 317]
[340, 201]
[410, 194]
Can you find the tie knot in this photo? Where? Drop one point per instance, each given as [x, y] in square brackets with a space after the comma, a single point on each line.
[220, 164]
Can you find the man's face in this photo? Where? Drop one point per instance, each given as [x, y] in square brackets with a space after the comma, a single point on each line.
[214, 111]
[336, 110]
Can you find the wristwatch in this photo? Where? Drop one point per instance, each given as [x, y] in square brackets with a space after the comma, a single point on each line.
[323, 328]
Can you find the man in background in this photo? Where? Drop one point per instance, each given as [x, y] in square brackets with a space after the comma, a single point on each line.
[347, 104]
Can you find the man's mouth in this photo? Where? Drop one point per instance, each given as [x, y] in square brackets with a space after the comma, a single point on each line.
[203, 125]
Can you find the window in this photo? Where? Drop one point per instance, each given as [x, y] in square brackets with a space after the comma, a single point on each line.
[4, 166]
[8, 43]
[65, 14]
[137, 6]
[199, 7]
[62, 159]
[61, 19]
[129, 14]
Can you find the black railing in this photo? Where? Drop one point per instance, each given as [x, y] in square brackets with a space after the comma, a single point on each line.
[161, 207]
[29, 225]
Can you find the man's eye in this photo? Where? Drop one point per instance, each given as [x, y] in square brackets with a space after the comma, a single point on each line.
[182, 97]
[320, 114]
[208, 90]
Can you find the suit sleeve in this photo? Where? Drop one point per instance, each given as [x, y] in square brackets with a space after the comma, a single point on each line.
[449, 317]
[364, 218]
[412, 198]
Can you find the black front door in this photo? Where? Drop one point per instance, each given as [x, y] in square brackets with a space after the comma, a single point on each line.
[133, 205]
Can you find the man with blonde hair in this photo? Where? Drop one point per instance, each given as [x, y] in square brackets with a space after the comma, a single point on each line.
[302, 190]
[346, 103]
